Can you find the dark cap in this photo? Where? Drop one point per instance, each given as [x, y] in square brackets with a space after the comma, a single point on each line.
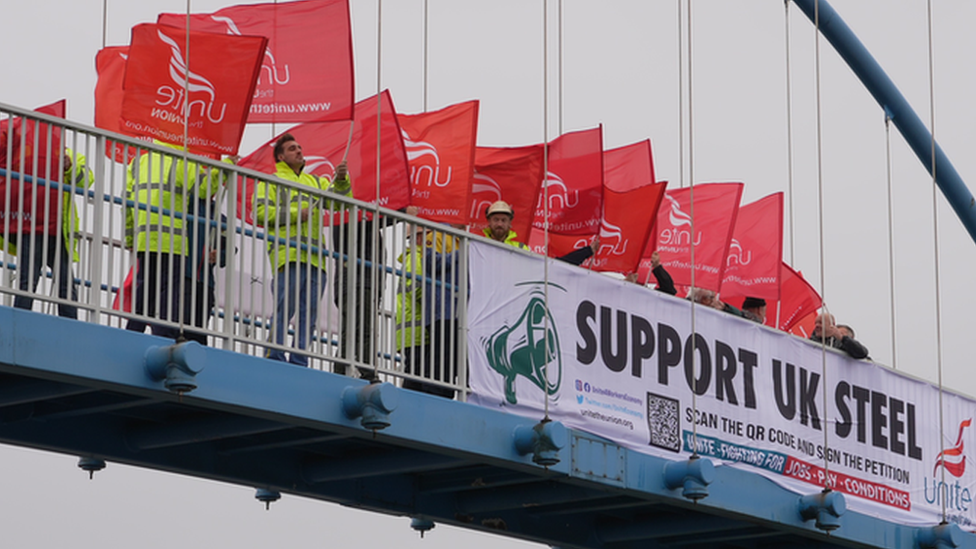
[753, 303]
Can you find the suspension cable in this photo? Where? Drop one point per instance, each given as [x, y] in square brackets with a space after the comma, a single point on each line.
[545, 197]
[681, 102]
[820, 207]
[186, 166]
[935, 245]
[789, 133]
[891, 240]
[691, 191]
[274, 112]
[104, 23]
[375, 225]
[426, 56]
[559, 15]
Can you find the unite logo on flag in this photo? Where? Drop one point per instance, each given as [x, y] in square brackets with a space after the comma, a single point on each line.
[561, 199]
[612, 239]
[674, 237]
[319, 165]
[172, 97]
[485, 192]
[738, 256]
[416, 151]
[270, 64]
[196, 97]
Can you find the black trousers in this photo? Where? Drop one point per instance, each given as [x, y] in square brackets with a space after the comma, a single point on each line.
[32, 259]
[160, 288]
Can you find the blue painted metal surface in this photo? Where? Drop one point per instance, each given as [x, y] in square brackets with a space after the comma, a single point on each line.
[894, 105]
[288, 429]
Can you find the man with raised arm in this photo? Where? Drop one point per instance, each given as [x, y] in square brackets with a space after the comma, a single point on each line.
[826, 330]
[499, 229]
[292, 218]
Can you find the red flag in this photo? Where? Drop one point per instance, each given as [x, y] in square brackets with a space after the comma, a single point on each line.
[756, 252]
[123, 298]
[629, 193]
[35, 152]
[716, 206]
[441, 148]
[797, 302]
[575, 184]
[307, 72]
[110, 66]
[511, 174]
[325, 144]
[220, 78]
[803, 327]
[559, 244]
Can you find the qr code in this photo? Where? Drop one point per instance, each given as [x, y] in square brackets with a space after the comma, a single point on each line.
[664, 422]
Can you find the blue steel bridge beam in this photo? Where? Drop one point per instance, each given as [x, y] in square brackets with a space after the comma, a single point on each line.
[594, 473]
[884, 91]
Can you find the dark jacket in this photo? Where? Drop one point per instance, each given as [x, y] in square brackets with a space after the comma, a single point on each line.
[849, 345]
[664, 281]
[577, 256]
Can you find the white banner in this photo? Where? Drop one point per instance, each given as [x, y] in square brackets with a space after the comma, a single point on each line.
[625, 363]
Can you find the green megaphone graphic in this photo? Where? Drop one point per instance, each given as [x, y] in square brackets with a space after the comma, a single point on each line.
[528, 348]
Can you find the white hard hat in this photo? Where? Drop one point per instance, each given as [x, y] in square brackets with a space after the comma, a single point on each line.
[499, 207]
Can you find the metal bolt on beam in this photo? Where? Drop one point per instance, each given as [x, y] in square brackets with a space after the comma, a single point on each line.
[267, 496]
[176, 365]
[692, 476]
[422, 525]
[91, 464]
[373, 402]
[825, 507]
[942, 536]
[543, 440]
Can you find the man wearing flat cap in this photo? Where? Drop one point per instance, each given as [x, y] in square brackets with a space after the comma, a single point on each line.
[754, 308]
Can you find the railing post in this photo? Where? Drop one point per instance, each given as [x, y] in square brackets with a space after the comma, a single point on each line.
[98, 228]
[229, 265]
[350, 271]
[462, 319]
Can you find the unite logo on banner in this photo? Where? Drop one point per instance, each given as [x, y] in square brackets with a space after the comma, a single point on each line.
[956, 497]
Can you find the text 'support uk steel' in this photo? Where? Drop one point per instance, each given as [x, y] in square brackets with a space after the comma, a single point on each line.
[623, 362]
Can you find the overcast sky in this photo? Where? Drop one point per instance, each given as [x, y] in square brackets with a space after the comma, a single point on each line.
[620, 60]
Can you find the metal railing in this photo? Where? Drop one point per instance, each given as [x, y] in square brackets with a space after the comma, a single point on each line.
[112, 230]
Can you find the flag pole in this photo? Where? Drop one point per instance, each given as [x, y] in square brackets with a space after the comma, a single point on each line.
[352, 126]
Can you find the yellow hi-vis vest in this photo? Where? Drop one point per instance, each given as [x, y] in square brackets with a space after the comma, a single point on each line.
[278, 208]
[410, 330]
[166, 184]
[78, 177]
[510, 239]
